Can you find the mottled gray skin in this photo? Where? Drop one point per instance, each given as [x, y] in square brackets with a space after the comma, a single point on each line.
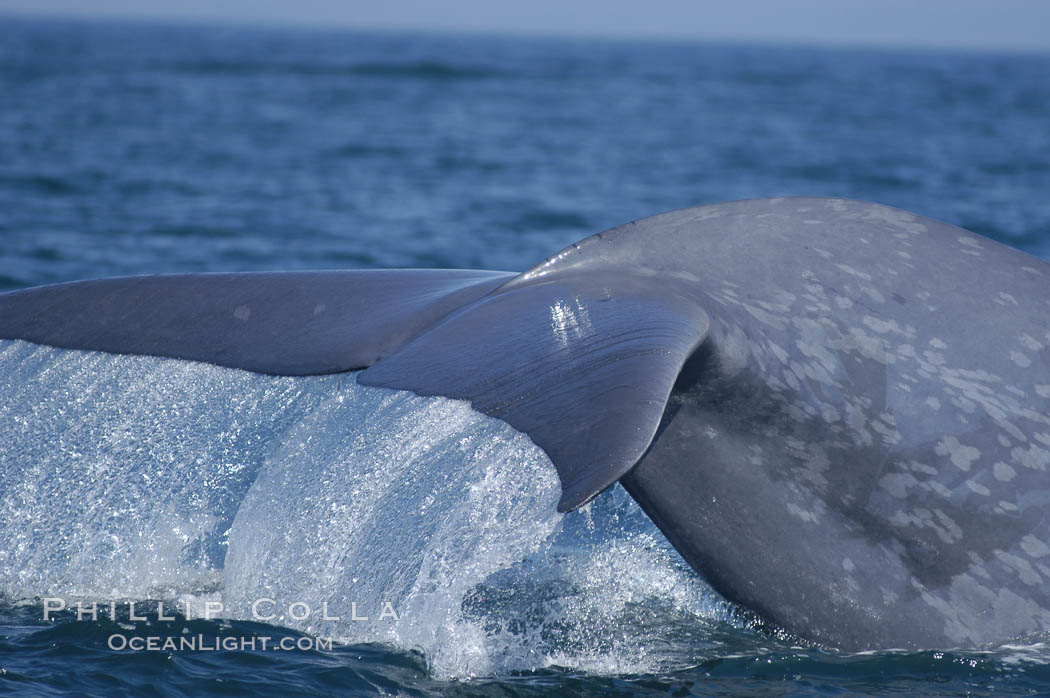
[839, 411]
[859, 451]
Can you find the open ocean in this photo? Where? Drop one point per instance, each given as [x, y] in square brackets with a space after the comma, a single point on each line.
[129, 148]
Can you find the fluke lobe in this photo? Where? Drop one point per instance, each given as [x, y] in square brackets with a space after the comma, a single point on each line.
[838, 412]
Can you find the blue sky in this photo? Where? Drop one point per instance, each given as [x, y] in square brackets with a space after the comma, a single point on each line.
[1021, 24]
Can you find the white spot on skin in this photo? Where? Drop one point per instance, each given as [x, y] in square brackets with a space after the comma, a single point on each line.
[948, 530]
[848, 565]
[1033, 457]
[881, 326]
[934, 357]
[961, 456]
[934, 403]
[1006, 298]
[886, 428]
[778, 351]
[1034, 547]
[242, 313]
[922, 468]
[853, 272]
[978, 488]
[1024, 570]
[1043, 390]
[319, 308]
[938, 344]
[1020, 359]
[898, 484]
[1003, 472]
[874, 294]
[801, 513]
[1030, 343]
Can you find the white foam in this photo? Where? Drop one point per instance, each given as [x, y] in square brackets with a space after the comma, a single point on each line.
[148, 478]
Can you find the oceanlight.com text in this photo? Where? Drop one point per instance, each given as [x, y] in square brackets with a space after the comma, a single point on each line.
[202, 643]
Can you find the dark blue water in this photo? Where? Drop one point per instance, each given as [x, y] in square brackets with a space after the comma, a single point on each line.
[133, 148]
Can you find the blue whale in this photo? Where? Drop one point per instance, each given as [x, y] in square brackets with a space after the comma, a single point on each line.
[838, 412]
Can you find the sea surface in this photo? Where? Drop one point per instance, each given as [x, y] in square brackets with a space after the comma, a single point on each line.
[129, 148]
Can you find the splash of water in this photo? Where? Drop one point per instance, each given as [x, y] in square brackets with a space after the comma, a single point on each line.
[387, 517]
[404, 506]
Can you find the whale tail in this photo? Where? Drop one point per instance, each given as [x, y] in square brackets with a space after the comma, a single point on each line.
[582, 367]
[790, 389]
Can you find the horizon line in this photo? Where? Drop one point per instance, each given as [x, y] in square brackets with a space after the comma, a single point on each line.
[505, 32]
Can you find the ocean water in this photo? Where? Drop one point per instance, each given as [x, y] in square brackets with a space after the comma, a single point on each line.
[132, 148]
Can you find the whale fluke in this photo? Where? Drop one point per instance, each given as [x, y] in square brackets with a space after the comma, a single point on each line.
[586, 367]
[281, 323]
